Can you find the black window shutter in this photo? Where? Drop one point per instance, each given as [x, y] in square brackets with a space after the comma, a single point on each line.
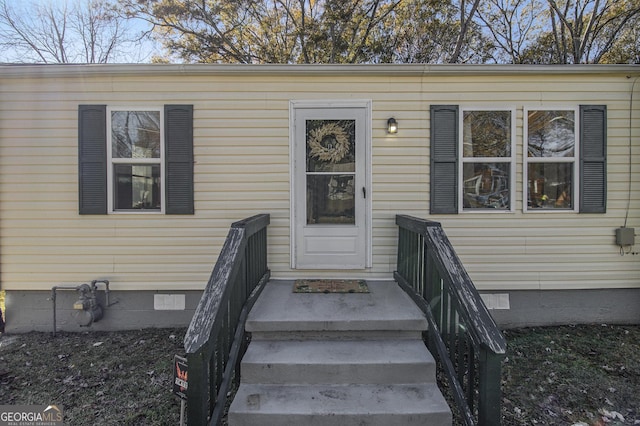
[444, 159]
[179, 159]
[593, 158]
[92, 159]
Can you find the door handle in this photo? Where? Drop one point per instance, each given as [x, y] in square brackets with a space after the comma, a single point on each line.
[364, 192]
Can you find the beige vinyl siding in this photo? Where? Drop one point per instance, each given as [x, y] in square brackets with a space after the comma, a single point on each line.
[241, 148]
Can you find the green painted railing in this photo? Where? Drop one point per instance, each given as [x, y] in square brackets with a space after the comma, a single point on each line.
[462, 334]
[216, 339]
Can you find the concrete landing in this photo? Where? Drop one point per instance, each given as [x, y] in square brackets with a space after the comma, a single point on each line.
[385, 308]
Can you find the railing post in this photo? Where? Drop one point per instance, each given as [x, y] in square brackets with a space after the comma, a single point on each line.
[214, 341]
[198, 391]
[401, 255]
[489, 387]
[462, 333]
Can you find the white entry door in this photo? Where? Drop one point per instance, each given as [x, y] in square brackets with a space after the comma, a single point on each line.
[330, 185]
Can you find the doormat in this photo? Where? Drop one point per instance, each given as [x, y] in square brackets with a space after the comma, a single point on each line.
[330, 286]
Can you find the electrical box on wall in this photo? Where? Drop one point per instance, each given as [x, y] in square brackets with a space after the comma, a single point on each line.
[625, 236]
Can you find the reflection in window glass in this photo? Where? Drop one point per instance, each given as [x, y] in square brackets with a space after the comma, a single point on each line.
[135, 134]
[487, 159]
[136, 187]
[487, 134]
[331, 145]
[550, 186]
[330, 199]
[551, 159]
[135, 141]
[551, 133]
[486, 185]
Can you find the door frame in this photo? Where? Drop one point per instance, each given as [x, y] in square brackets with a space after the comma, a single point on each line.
[364, 104]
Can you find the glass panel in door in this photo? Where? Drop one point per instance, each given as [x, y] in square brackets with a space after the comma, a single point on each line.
[330, 171]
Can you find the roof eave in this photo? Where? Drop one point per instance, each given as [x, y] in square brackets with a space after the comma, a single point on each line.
[79, 70]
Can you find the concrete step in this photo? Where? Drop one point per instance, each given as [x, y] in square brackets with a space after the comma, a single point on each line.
[338, 362]
[337, 359]
[386, 312]
[324, 405]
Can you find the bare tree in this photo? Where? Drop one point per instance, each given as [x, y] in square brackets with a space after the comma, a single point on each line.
[266, 31]
[513, 24]
[428, 32]
[584, 30]
[626, 49]
[467, 13]
[562, 31]
[79, 32]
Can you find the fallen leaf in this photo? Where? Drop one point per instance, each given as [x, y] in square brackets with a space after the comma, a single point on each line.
[611, 415]
[97, 344]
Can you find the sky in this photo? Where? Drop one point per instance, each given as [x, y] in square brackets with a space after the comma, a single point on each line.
[127, 52]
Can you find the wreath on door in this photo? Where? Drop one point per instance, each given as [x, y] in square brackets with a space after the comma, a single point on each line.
[328, 142]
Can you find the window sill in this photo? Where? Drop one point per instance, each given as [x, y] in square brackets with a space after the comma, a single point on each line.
[485, 211]
[137, 212]
[547, 211]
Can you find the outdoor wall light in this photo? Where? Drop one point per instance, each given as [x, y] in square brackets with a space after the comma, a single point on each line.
[392, 126]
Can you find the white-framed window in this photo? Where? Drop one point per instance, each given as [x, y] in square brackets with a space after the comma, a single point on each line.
[551, 159]
[135, 160]
[487, 167]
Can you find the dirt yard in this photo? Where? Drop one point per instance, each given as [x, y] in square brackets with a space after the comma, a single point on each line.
[582, 375]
